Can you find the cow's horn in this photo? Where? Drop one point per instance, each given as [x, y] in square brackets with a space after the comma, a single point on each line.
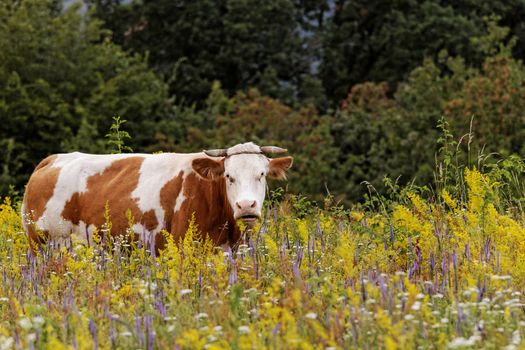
[216, 152]
[272, 149]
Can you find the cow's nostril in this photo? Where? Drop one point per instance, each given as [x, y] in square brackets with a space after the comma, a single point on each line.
[253, 204]
[238, 205]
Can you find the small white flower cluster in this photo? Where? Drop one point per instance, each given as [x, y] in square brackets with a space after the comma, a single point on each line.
[461, 342]
[6, 343]
[183, 292]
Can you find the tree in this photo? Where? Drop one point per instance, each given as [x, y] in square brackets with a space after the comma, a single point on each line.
[61, 81]
[241, 43]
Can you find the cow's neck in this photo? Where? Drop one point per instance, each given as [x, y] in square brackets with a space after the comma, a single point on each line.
[208, 201]
[219, 199]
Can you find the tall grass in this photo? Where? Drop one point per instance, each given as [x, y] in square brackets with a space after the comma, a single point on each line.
[443, 272]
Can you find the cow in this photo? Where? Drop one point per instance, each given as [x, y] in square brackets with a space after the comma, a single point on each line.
[69, 193]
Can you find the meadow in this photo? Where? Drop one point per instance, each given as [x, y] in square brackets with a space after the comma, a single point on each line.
[424, 274]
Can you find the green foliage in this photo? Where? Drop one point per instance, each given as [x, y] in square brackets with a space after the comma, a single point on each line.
[474, 114]
[116, 136]
[383, 40]
[215, 73]
[61, 78]
[203, 41]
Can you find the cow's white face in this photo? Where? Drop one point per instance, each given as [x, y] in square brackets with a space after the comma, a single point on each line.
[244, 172]
[246, 185]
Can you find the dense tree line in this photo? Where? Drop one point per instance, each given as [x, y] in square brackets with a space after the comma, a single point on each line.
[355, 89]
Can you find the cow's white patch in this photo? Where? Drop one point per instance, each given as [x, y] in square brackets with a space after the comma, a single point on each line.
[178, 202]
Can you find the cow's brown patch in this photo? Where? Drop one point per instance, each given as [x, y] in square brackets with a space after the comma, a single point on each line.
[112, 186]
[40, 187]
[208, 168]
[207, 200]
[39, 190]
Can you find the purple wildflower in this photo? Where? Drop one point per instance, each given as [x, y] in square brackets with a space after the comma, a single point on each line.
[93, 331]
[276, 329]
[233, 275]
[138, 328]
[436, 231]
[481, 290]
[467, 252]
[486, 250]
[148, 325]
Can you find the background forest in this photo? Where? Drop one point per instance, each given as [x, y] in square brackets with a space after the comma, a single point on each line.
[356, 90]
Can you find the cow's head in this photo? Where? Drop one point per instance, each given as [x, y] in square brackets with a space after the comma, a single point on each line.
[244, 168]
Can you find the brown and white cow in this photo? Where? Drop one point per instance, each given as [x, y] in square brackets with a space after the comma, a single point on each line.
[67, 193]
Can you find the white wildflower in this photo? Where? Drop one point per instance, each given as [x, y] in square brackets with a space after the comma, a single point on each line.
[409, 317]
[212, 338]
[416, 306]
[244, 329]
[25, 323]
[201, 315]
[500, 277]
[31, 337]
[183, 292]
[6, 343]
[38, 321]
[461, 342]
[311, 315]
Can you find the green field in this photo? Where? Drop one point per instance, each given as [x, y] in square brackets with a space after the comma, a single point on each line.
[429, 274]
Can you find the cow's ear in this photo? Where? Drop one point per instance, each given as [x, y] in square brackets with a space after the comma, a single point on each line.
[278, 167]
[207, 168]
